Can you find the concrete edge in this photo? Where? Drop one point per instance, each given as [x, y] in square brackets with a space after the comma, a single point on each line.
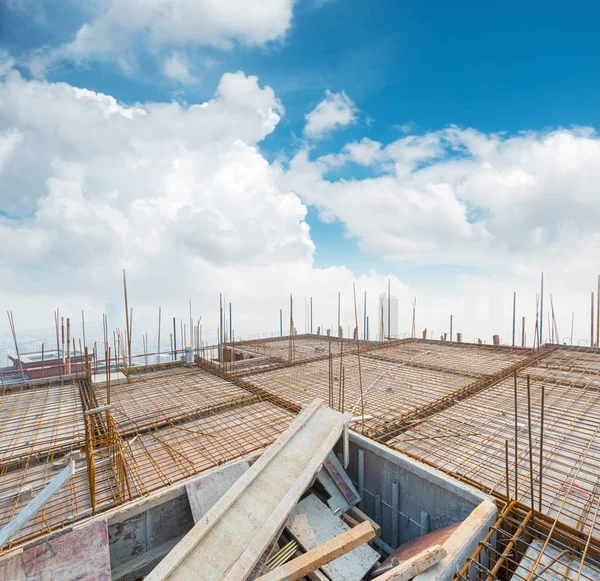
[462, 543]
[428, 473]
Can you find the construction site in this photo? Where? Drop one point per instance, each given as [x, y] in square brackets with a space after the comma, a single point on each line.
[483, 458]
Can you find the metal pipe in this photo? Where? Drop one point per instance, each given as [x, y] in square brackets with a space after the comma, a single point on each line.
[395, 520]
[361, 477]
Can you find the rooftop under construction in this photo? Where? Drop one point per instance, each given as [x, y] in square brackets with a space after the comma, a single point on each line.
[518, 424]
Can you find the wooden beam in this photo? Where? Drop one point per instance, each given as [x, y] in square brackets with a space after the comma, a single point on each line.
[11, 529]
[323, 554]
[415, 565]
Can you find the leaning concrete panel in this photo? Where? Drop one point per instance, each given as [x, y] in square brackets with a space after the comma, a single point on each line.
[205, 491]
[76, 555]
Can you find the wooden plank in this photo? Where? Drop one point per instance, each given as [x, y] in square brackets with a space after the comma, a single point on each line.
[231, 538]
[204, 492]
[358, 515]
[79, 554]
[38, 501]
[312, 524]
[323, 554]
[415, 565]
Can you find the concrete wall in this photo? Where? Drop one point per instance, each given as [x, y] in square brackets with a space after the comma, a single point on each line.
[428, 499]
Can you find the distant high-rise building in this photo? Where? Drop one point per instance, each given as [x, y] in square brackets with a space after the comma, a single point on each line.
[388, 321]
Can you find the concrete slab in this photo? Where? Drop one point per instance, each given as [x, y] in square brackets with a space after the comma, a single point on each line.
[101, 379]
[312, 523]
[76, 555]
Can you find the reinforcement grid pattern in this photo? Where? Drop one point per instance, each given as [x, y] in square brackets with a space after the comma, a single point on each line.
[468, 439]
[389, 389]
[173, 423]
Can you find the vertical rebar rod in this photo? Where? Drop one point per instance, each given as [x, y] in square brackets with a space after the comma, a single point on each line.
[450, 328]
[362, 399]
[339, 314]
[514, 317]
[311, 316]
[572, 323]
[158, 346]
[598, 315]
[506, 468]
[83, 327]
[128, 339]
[541, 310]
[523, 333]
[281, 322]
[541, 448]
[516, 440]
[174, 339]
[365, 318]
[530, 446]
[230, 323]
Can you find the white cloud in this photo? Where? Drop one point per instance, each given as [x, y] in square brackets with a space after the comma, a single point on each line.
[112, 28]
[182, 197]
[365, 152]
[460, 196]
[177, 68]
[6, 63]
[334, 111]
[9, 140]
[178, 195]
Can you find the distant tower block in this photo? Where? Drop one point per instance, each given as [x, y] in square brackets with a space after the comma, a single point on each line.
[341, 332]
[424, 333]
[496, 339]
[329, 332]
[459, 337]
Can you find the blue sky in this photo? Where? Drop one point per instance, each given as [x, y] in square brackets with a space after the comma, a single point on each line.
[502, 89]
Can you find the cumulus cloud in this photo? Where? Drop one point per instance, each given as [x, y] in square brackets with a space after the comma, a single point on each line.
[112, 27]
[334, 111]
[177, 68]
[178, 195]
[461, 196]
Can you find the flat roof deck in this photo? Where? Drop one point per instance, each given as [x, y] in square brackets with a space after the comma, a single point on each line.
[449, 405]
